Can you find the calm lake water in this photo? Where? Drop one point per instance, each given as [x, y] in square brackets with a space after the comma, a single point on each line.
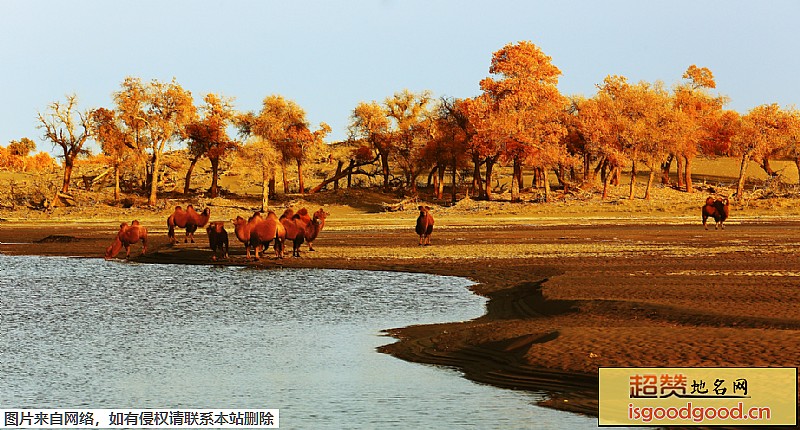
[97, 334]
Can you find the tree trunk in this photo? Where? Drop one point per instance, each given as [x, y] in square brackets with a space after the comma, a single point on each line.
[665, 166]
[742, 177]
[116, 183]
[616, 174]
[602, 167]
[273, 189]
[515, 181]
[214, 177]
[265, 188]
[768, 168]
[431, 176]
[285, 181]
[650, 179]
[477, 188]
[797, 164]
[535, 182]
[561, 173]
[453, 180]
[68, 164]
[440, 183]
[587, 167]
[350, 174]
[633, 180]
[688, 167]
[143, 185]
[681, 171]
[300, 177]
[548, 195]
[339, 165]
[188, 178]
[488, 183]
[385, 170]
[606, 183]
[151, 201]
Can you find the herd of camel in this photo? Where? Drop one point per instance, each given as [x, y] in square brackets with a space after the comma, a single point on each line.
[258, 231]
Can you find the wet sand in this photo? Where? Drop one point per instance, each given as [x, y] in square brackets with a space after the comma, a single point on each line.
[563, 299]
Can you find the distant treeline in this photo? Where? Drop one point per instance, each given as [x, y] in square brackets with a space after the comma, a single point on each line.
[520, 119]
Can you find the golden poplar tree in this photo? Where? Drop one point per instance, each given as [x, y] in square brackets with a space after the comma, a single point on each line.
[525, 109]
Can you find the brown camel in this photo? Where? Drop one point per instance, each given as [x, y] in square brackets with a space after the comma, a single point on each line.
[314, 225]
[424, 225]
[719, 209]
[188, 219]
[128, 235]
[258, 232]
[295, 226]
[217, 238]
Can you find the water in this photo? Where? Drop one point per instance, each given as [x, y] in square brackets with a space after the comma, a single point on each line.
[97, 334]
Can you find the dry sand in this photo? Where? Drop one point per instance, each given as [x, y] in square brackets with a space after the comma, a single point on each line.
[566, 294]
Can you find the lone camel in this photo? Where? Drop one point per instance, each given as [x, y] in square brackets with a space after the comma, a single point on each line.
[127, 235]
[424, 225]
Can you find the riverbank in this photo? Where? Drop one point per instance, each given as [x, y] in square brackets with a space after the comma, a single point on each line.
[566, 297]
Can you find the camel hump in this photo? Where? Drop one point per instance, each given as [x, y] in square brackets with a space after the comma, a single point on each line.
[256, 215]
[288, 213]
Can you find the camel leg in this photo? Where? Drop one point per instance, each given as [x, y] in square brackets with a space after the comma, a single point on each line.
[279, 247]
[296, 248]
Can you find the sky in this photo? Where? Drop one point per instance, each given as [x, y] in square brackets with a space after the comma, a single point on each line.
[328, 56]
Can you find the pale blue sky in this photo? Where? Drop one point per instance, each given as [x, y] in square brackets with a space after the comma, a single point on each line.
[329, 55]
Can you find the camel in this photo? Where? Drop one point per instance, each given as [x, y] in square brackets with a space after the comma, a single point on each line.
[719, 209]
[217, 238]
[257, 232]
[128, 235]
[314, 225]
[188, 219]
[295, 225]
[424, 225]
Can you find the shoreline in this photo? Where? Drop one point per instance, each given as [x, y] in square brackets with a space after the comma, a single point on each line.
[561, 302]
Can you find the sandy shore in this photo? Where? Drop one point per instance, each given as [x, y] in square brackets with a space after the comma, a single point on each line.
[564, 299]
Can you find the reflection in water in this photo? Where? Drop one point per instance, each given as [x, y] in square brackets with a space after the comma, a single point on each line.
[92, 333]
